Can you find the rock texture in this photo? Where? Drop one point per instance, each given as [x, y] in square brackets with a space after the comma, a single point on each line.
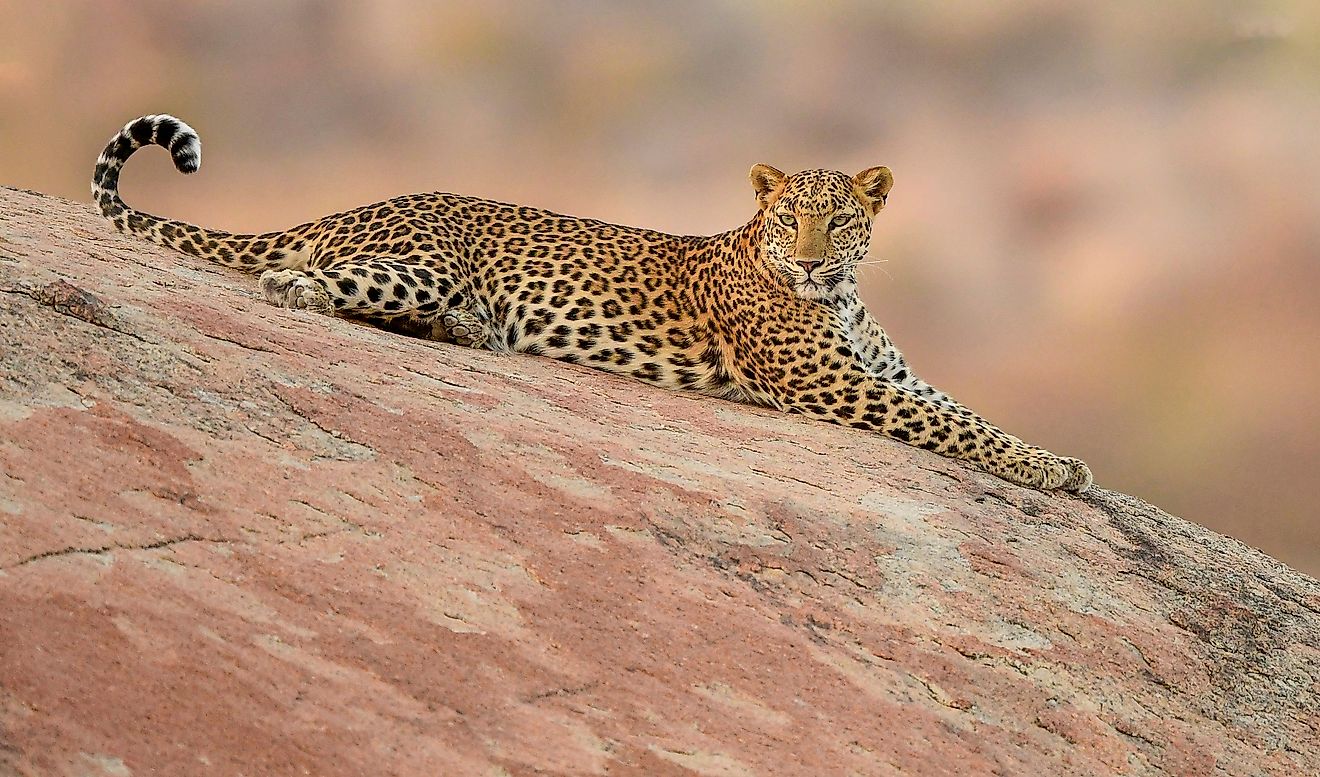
[242, 540]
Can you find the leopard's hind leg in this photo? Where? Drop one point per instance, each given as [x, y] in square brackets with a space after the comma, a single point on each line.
[412, 299]
[369, 288]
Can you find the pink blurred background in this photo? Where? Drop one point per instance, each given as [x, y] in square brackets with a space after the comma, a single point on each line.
[1104, 233]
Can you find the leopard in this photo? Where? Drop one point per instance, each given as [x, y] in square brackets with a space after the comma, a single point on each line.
[765, 314]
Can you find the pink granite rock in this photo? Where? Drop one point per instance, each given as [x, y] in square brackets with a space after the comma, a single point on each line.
[236, 539]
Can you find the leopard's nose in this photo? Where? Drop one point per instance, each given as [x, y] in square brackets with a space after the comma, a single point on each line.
[808, 265]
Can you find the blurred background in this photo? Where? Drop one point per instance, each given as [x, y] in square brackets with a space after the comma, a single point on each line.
[1104, 233]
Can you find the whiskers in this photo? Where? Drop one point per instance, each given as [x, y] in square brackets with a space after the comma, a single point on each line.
[875, 263]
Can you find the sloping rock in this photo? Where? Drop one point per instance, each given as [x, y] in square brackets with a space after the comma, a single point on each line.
[236, 539]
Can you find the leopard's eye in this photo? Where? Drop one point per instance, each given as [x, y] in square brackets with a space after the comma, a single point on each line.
[839, 221]
[787, 220]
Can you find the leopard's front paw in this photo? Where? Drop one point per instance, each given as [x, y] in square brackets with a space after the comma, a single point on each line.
[1079, 475]
[294, 289]
[1033, 468]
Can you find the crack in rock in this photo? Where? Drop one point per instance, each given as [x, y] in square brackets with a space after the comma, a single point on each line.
[77, 551]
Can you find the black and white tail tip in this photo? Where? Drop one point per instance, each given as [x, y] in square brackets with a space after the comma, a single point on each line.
[161, 130]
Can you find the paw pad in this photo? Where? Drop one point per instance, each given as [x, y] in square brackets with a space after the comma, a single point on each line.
[464, 327]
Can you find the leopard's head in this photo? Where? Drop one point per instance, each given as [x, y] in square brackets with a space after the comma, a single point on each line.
[817, 225]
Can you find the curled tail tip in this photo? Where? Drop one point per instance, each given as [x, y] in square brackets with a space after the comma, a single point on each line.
[187, 152]
[161, 129]
[169, 132]
[174, 135]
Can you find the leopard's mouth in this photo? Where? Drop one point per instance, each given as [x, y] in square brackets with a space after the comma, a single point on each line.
[822, 283]
[832, 285]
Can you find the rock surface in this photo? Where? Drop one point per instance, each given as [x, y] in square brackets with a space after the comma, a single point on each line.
[236, 539]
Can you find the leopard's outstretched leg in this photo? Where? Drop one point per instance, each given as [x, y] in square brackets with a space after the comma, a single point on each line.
[881, 406]
[890, 365]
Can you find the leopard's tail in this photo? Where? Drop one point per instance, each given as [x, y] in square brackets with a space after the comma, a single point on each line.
[251, 253]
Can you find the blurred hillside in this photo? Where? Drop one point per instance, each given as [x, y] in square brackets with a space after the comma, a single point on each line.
[1104, 235]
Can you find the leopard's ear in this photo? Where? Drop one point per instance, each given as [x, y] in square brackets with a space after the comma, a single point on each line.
[768, 183]
[872, 186]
